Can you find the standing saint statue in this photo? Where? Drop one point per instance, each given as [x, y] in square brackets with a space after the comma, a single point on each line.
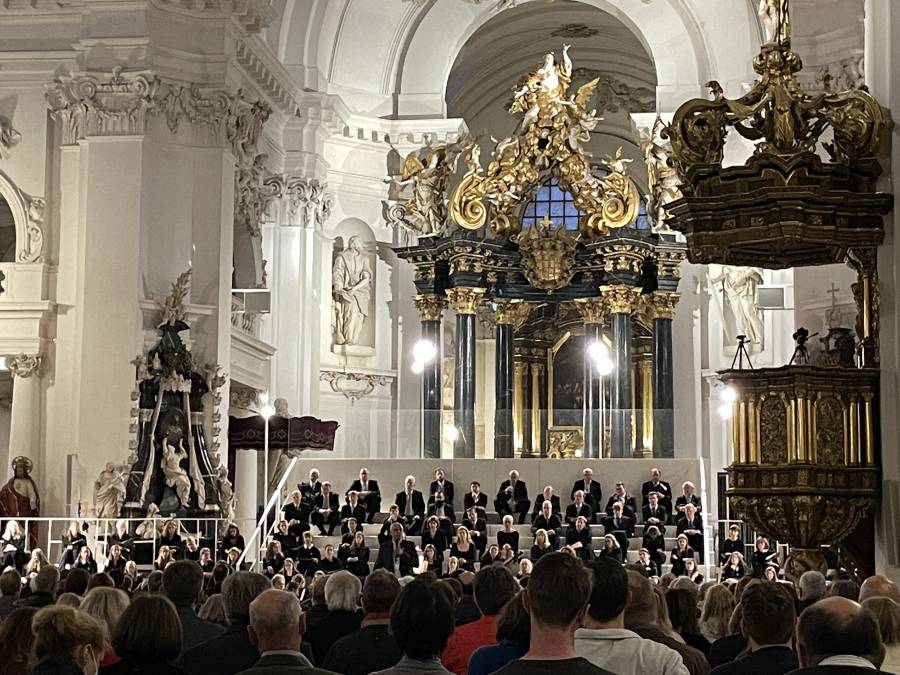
[19, 497]
[351, 287]
[740, 308]
[109, 490]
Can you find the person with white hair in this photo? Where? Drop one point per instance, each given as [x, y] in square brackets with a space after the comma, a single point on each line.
[687, 496]
[811, 588]
[342, 596]
[512, 497]
[368, 492]
[411, 506]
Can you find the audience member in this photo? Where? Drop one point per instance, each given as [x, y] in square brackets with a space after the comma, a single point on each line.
[67, 641]
[183, 584]
[512, 497]
[10, 586]
[837, 635]
[718, 605]
[767, 620]
[493, 587]
[231, 651]
[371, 647]
[147, 638]
[879, 586]
[845, 588]
[213, 611]
[887, 614]
[43, 586]
[603, 639]
[342, 597]
[556, 600]
[17, 638]
[108, 605]
[69, 600]
[421, 623]
[513, 635]
[276, 626]
[682, 606]
[812, 586]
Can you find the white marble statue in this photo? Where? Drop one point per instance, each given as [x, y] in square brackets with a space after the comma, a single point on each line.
[351, 288]
[775, 18]
[662, 178]
[109, 490]
[226, 494]
[176, 476]
[741, 313]
[145, 529]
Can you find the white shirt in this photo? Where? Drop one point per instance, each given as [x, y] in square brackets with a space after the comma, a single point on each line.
[847, 660]
[626, 653]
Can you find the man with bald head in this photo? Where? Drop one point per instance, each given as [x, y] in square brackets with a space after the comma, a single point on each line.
[838, 636]
[276, 627]
[879, 586]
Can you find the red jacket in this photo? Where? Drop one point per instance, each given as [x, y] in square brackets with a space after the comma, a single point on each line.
[465, 640]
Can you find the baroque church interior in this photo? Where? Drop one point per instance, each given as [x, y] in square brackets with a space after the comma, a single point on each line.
[246, 241]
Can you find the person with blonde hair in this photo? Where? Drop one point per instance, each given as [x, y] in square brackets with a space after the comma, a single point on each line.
[887, 614]
[36, 563]
[717, 609]
[463, 549]
[14, 538]
[541, 545]
[108, 605]
[67, 640]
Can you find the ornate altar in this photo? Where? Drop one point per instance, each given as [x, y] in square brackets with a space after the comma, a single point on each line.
[806, 441]
[561, 293]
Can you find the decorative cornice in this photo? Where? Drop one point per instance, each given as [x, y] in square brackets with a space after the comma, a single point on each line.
[24, 365]
[511, 312]
[464, 300]
[592, 310]
[621, 299]
[661, 305]
[252, 15]
[353, 386]
[309, 202]
[243, 397]
[431, 306]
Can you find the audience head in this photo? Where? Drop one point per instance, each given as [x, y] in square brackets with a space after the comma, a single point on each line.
[768, 614]
[214, 610]
[770, 573]
[886, 613]
[101, 580]
[45, 581]
[379, 592]
[17, 638]
[106, 604]
[154, 581]
[641, 607]
[844, 588]
[342, 591]
[609, 591]
[514, 624]
[525, 568]
[836, 626]
[239, 590]
[812, 586]
[558, 592]
[682, 606]
[318, 590]
[69, 635]
[77, 581]
[276, 622]
[10, 582]
[422, 619]
[879, 586]
[493, 587]
[149, 631]
[69, 600]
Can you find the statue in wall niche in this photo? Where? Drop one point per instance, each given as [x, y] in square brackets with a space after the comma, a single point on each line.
[741, 313]
[351, 288]
[109, 490]
[172, 457]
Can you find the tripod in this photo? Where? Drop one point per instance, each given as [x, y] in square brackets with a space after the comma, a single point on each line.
[801, 352]
[741, 354]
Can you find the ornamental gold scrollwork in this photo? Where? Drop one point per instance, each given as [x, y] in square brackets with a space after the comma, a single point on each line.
[549, 137]
[548, 255]
[621, 299]
[661, 305]
[511, 312]
[464, 299]
[431, 306]
[592, 310]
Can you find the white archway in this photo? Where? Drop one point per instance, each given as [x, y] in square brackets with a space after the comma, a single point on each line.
[28, 216]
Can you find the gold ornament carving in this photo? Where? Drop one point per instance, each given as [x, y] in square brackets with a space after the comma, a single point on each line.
[773, 430]
[549, 137]
[431, 306]
[661, 305]
[621, 299]
[564, 443]
[464, 300]
[511, 312]
[829, 431]
[592, 310]
[548, 255]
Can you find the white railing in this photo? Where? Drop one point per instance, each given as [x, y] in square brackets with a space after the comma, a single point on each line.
[258, 533]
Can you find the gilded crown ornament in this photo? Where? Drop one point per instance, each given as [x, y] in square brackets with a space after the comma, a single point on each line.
[548, 255]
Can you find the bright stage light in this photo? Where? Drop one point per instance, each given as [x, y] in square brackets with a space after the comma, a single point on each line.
[599, 353]
[728, 395]
[725, 411]
[418, 367]
[452, 433]
[424, 351]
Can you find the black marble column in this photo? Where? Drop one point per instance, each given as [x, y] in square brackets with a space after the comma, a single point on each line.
[464, 301]
[503, 415]
[663, 387]
[593, 429]
[527, 401]
[621, 300]
[431, 307]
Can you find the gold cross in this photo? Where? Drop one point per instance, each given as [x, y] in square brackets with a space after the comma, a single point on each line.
[546, 222]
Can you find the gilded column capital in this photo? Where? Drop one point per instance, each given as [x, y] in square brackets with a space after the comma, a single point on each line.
[24, 365]
[620, 299]
[592, 310]
[431, 306]
[512, 312]
[464, 299]
[661, 305]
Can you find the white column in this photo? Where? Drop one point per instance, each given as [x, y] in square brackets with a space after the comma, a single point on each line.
[246, 479]
[25, 415]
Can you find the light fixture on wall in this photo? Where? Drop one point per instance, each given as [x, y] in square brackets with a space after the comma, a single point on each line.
[424, 352]
[599, 353]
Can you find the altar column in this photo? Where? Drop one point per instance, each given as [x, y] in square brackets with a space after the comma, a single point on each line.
[662, 309]
[246, 482]
[431, 310]
[25, 413]
[593, 312]
[538, 410]
[507, 315]
[620, 303]
[464, 300]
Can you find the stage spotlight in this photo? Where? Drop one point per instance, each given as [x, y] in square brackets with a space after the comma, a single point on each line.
[451, 433]
[599, 352]
[728, 395]
[725, 411]
[424, 351]
[418, 367]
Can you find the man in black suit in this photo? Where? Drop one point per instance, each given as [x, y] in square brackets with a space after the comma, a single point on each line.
[475, 498]
[618, 522]
[232, 651]
[546, 496]
[660, 487]
[326, 511]
[512, 497]
[654, 514]
[692, 527]
[591, 489]
[393, 517]
[296, 513]
[579, 508]
[549, 521]
[442, 484]
[368, 493]
[397, 555]
[310, 489]
[182, 583]
[352, 509]
[443, 511]
[276, 627]
[838, 636]
[768, 618]
[412, 506]
[629, 505]
[477, 527]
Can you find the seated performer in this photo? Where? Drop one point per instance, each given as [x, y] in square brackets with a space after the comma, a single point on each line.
[393, 517]
[649, 565]
[307, 556]
[579, 508]
[352, 509]
[679, 554]
[578, 538]
[397, 555]
[311, 489]
[443, 512]
[692, 526]
[629, 505]
[434, 535]
[508, 535]
[463, 549]
[412, 506]
[288, 541]
[549, 522]
[687, 497]
[654, 513]
[618, 522]
[732, 544]
[591, 489]
[655, 543]
[477, 527]
[541, 546]
[368, 494]
[349, 529]
[512, 497]
[296, 513]
[329, 562]
[476, 498]
[442, 484]
[326, 514]
[546, 496]
[660, 487]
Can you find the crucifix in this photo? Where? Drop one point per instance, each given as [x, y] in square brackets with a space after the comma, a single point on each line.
[833, 318]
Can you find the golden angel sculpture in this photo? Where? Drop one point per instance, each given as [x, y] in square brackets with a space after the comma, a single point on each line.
[662, 177]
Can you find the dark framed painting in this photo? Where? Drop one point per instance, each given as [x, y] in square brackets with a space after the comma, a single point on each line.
[566, 370]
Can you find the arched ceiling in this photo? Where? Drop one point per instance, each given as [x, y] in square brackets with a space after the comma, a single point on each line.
[515, 41]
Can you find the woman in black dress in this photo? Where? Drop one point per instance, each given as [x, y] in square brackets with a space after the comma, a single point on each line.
[169, 535]
[232, 539]
[611, 549]
[307, 556]
[287, 540]
[655, 543]
[491, 556]
[734, 568]
[541, 546]
[273, 560]
[732, 544]
[651, 567]
[464, 550]
[679, 554]
[328, 564]
[430, 561]
[434, 535]
[508, 535]
[355, 555]
[578, 538]
[762, 556]
[85, 561]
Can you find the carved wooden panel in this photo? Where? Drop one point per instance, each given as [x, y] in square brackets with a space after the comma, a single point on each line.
[773, 431]
[830, 431]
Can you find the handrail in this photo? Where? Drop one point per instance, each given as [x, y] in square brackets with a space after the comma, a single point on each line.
[276, 493]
